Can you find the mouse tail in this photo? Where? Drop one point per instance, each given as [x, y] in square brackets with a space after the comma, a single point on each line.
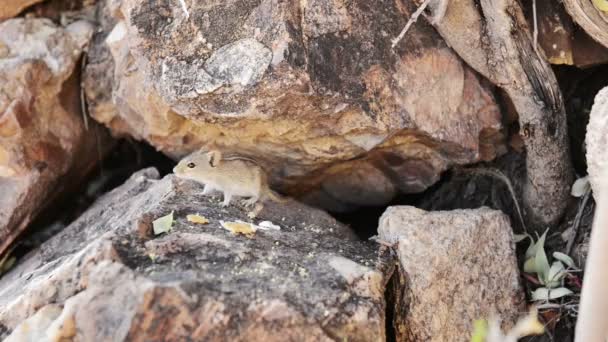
[275, 197]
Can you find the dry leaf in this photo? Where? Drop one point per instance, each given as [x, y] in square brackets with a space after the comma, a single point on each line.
[269, 225]
[163, 224]
[240, 227]
[196, 218]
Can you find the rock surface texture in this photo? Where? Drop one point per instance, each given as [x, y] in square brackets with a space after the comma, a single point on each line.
[455, 267]
[590, 18]
[42, 133]
[108, 277]
[312, 89]
[10, 8]
[596, 141]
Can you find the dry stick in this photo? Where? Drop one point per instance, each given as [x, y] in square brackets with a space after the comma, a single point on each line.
[409, 23]
[577, 222]
[535, 34]
[501, 176]
[83, 104]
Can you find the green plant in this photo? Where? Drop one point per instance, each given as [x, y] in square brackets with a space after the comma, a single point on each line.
[551, 276]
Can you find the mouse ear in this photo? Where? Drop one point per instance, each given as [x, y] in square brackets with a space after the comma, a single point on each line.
[214, 158]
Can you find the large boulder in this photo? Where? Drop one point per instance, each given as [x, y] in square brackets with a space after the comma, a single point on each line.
[455, 267]
[108, 277]
[312, 89]
[44, 144]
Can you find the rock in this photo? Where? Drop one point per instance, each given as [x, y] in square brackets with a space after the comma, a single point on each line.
[590, 18]
[596, 141]
[455, 267]
[11, 8]
[311, 89]
[114, 280]
[44, 145]
[560, 39]
[494, 39]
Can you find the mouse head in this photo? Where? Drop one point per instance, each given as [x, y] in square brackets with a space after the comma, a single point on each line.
[197, 164]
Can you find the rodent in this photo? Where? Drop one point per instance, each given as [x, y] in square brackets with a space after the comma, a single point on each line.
[233, 175]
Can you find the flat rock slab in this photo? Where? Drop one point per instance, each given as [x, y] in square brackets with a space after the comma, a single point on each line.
[455, 267]
[108, 277]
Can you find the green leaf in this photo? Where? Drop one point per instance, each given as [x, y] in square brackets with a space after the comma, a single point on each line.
[555, 275]
[480, 330]
[540, 259]
[163, 224]
[531, 251]
[564, 258]
[544, 293]
[530, 266]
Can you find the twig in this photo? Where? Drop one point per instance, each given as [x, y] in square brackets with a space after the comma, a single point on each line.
[409, 23]
[378, 240]
[535, 34]
[577, 221]
[83, 100]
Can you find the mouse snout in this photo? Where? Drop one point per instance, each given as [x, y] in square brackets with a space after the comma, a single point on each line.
[177, 169]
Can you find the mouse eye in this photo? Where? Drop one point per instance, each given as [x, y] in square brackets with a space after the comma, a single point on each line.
[191, 165]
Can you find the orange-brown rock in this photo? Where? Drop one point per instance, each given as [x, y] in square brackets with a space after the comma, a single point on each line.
[10, 8]
[44, 146]
[311, 89]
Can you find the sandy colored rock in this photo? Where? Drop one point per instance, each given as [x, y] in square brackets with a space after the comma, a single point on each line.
[455, 267]
[310, 89]
[312, 280]
[42, 135]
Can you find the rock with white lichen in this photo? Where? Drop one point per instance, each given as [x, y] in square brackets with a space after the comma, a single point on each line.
[311, 89]
[596, 141]
[455, 267]
[108, 277]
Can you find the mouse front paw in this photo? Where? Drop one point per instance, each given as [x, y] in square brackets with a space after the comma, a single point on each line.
[251, 201]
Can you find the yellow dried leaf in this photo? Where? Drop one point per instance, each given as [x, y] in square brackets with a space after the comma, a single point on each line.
[196, 218]
[602, 5]
[236, 228]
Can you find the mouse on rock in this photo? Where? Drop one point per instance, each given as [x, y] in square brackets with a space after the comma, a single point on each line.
[233, 175]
